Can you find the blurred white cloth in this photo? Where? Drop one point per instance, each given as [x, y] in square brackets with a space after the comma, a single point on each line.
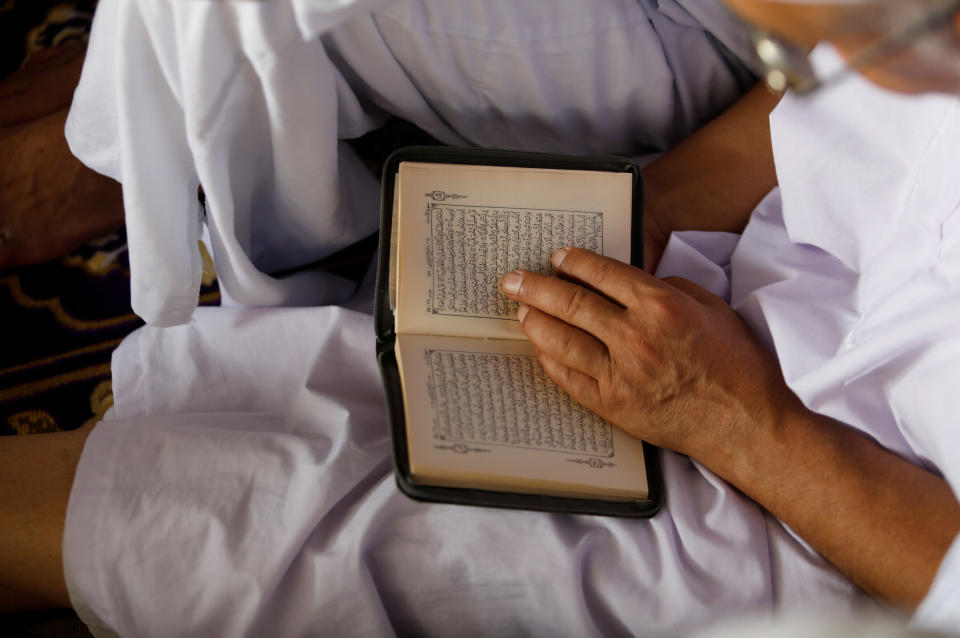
[252, 100]
[243, 486]
[227, 94]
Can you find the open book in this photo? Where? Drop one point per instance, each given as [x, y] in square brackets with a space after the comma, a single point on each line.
[479, 418]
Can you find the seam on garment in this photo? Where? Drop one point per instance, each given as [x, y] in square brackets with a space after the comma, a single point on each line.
[925, 158]
[870, 277]
[946, 222]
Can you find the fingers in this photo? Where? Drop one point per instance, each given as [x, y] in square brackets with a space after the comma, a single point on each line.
[619, 281]
[565, 300]
[569, 346]
[598, 312]
[582, 387]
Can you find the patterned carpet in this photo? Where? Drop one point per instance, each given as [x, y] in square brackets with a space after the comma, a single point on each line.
[61, 322]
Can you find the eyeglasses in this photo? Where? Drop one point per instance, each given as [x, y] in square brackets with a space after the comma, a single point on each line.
[787, 66]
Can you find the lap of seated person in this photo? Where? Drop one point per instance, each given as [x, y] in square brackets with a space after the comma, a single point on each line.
[252, 494]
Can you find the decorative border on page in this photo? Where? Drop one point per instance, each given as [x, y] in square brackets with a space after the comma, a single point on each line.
[595, 463]
[460, 448]
[442, 196]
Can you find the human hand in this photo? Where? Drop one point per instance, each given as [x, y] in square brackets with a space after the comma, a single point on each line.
[674, 365]
[665, 360]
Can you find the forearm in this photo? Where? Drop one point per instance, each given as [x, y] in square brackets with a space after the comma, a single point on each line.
[881, 520]
[674, 365]
[715, 178]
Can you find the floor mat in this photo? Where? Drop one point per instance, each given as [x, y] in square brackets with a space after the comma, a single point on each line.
[61, 322]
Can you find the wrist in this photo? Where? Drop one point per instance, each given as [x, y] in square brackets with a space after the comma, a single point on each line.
[753, 450]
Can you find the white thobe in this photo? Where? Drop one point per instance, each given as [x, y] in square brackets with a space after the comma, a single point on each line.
[247, 99]
[243, 486]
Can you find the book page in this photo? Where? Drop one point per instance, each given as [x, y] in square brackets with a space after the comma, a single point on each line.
[482, 413]
[394, 266]
[462, 228]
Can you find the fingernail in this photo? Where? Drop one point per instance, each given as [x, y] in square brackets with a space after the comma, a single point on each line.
[522, 312]
[559, 256]
[511, 283]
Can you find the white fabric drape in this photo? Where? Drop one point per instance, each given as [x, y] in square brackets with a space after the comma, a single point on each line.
[247, 99]
[242, 484]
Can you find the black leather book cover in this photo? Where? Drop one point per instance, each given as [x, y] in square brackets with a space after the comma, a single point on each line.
[384, 326]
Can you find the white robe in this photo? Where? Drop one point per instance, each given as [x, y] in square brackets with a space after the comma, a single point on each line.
[248, 100]
[242, 485]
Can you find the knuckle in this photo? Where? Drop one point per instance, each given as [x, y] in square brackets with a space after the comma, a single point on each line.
[601, 272]
[676, 281]
[620, 387]
[573, 305]
[661, 309]
[614, 399]
[562, 375]
[564, 341]
[556, 372]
